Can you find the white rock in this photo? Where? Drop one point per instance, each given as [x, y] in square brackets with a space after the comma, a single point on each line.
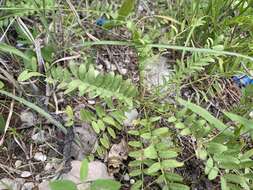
[126, 177]
[130, 117]
[91, 102]
[39, 137]
[28, 118]
[48, 167]
[251, 114]
[39, 156]
[113, 68]
[123, 71]
[28, 186]
[26, 174]
[132, 181]
[99, 67]
[18, 163]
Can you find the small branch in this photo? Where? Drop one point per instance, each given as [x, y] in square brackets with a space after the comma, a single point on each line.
[7, 124]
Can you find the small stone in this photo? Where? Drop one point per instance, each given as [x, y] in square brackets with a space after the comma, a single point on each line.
[113, 68]
[18, 163]
[132, 181]
[26, 174]
[28, 118]
[48, 167]
[123, 71]
[130, 117]
[39, 137]
[99, 67]
[126, 177]
[251, 114]
[28, 186]
[40, 157]
[91, 102]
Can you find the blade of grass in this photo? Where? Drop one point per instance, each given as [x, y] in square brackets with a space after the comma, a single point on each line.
[9, 49]
[164, 46]
[206, 115]
[37, 109]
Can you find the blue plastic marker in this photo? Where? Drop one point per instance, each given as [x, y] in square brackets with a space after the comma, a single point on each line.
[243, 80]
[101, 21]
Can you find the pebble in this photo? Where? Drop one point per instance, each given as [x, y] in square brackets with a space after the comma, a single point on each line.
[251, 114]
[28, 118]
[40, 157]
[39, 137]
[26, 174]
[99, 67]
[18, 163]
[130, 117]
[48, 167]
[126, 177]
[91, 102]
[123, 71]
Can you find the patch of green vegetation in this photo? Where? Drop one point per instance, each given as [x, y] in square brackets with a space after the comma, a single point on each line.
[208, 40]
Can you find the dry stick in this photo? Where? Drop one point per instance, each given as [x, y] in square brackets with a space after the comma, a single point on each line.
[5, 32]
[7, 124]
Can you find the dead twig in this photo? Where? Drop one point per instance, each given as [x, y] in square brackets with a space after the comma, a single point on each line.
[7, 124]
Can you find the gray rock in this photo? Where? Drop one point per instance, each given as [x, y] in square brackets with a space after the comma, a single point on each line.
[28, 118]
[87, 139]
[39, 137]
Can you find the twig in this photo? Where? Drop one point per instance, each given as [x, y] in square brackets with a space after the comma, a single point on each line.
[5, 32]
[7, 124]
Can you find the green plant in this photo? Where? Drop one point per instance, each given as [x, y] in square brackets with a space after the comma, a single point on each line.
[154, 154]
[22, 8]
[87, 80]
[105, 123]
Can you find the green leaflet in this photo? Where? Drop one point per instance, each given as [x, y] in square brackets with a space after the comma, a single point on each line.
[126, 8]
[206, 115]
[248, 124]
[89, 81]
[62, 184]
[105, 184]
[84, 169]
